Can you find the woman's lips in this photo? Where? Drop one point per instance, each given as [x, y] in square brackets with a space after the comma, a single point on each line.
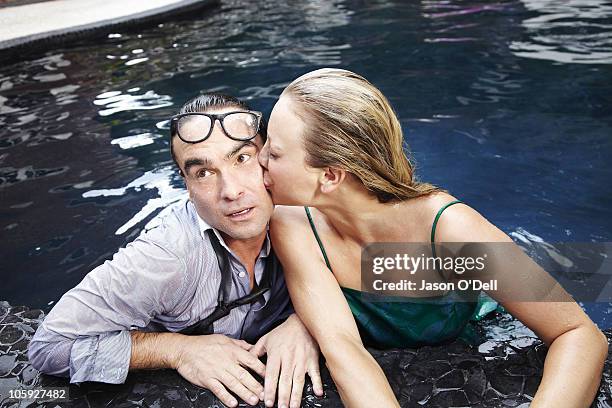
[266, 180]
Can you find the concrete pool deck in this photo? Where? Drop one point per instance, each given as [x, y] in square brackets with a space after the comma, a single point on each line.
[61, 20]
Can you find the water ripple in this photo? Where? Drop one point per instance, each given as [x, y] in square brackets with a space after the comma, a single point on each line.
[114, 103]
[525, 141]
[131, 142]
[159, 180]
[10, 176]
[578, 32]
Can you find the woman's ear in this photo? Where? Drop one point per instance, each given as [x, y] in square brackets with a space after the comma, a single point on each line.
[331, 178]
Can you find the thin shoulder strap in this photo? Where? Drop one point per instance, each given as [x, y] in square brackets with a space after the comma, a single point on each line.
[435, 223]
[316, 234]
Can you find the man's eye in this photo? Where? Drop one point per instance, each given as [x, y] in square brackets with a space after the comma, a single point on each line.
[273, 156]
[203, 173]
[243, 158]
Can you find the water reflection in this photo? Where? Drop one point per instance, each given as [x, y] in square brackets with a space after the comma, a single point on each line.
[437, 9]
[451, 21]
[11, 176]
[130, 142]
[576, 31]
[158, 180]
[115, 102]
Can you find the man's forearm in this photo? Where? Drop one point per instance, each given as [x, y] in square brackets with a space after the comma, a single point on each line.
[155, 350]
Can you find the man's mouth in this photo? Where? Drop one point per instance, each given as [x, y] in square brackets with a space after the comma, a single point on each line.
[240, 213]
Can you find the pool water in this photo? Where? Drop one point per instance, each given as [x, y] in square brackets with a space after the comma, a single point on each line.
[505, 104]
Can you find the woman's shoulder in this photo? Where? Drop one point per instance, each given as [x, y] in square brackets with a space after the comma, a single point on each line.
[290, 229]
[427, 207]
[284, 215]
[459, 222]
[292, 225]
[298, 217]
[433, 202]
[290, 222]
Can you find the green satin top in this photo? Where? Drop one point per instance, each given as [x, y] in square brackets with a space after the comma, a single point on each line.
[392, 321]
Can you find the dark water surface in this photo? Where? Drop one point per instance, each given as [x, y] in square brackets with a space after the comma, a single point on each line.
[505, 104]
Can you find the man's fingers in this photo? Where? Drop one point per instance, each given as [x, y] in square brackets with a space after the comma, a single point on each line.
[259, 349]
[247, 380]
[315, 377]
[284, 383]
[242, 344]
[238, 388]
[271, 380]
[220, 392]
[247, 359]
[297, 387]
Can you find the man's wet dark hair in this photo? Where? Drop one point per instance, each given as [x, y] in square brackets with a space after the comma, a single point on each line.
[210, 101]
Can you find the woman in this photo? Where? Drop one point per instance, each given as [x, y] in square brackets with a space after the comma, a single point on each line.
[335, 146]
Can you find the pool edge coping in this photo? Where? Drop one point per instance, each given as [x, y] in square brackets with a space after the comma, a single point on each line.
[53, 38]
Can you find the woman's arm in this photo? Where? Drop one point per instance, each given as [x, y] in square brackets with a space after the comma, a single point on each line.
[577, 348]
[321, 306]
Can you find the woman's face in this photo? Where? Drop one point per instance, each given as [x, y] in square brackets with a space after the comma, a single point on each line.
[286, 175]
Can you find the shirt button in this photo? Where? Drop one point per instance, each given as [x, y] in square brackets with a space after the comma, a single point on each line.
[242, 274]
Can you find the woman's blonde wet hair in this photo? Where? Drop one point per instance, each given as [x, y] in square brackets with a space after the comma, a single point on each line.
[349, 124]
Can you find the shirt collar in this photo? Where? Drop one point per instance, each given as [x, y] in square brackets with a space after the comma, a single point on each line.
[204, 226]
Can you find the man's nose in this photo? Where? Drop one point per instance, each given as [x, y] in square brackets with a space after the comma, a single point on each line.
[231, 187]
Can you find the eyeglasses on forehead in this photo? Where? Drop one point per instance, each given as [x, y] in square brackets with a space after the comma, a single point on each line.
[196, 127]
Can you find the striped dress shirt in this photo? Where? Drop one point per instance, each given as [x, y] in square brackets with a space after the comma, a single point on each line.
[165, 280]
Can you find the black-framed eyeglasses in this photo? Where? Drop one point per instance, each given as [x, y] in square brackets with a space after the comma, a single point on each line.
[197, 126]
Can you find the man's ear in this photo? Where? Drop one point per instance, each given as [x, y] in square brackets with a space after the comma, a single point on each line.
[331, 178]
[189, 192]
[180, 172]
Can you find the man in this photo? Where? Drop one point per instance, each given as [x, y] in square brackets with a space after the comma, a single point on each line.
[194, 293]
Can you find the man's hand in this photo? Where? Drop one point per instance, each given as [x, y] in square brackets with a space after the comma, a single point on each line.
[292, 351]
[216, 362]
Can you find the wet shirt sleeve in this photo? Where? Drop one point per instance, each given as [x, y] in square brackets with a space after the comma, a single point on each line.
[86, 335]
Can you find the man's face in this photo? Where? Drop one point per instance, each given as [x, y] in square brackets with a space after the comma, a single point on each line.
[225, 182]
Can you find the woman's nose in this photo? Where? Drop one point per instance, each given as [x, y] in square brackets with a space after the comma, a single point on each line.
[263, 156]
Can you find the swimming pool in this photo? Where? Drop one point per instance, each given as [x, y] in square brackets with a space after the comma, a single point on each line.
[506, 105]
